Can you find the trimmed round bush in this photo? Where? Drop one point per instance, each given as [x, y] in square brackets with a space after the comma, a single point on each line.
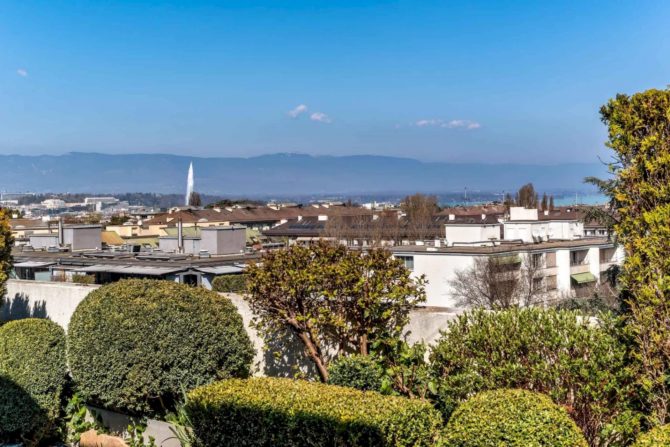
[513, 418]
[33, 374]
[272, 412]
[135, 346]
[579, 363]
[356, 371]
[230, 283]
[657, 437]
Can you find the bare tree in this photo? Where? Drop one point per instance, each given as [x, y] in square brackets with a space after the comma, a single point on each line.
[419, 210]
[499, 282]
[194, 199]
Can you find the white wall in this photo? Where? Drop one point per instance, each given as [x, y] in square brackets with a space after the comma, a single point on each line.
[57, 301]
[54, 300]
[471, 233]
[439, 270]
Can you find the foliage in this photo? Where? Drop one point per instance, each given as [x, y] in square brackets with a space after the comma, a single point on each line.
[292, 413]
[639, 136]
[135, 435]
[78, 420]
[6, 242]
[83, 279]
[362, 372]
[33, 374]
[181, 423]
[333, 299]
[579, 364]
[657, 437]
[230, 283]
[514, 418]
[406, 371]
[134, 344]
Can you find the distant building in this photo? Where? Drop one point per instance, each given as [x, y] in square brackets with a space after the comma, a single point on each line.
[52, 204]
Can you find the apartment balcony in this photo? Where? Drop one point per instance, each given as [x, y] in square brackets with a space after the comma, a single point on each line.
[580, 268]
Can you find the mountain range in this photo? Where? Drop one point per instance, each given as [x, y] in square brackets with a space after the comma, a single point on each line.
[277, 174]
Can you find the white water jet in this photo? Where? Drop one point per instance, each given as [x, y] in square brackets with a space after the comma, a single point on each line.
[189, 184]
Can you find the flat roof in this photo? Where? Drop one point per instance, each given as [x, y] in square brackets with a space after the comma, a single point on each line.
[505, 247]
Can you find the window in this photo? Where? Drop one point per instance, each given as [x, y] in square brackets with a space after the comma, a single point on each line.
[551, 282]
[538, 284]
[408, 261]
[537, 260]
[578, 257]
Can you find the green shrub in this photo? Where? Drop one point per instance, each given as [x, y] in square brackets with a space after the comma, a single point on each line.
[512, 418]
[657, 437]
[580, 365]
[83, 279]
[356, 371]
[33, 374]
[230, 283]
[294, 413]
[135, 345]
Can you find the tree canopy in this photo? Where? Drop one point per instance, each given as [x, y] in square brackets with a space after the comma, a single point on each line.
[5, 251]
[333, 299]
[639, 136]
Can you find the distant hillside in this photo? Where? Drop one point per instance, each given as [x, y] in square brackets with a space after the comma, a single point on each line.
[280, 174]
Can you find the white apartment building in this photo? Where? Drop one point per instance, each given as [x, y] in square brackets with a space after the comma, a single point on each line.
[567, 263]
[532, 225]
[564, 267]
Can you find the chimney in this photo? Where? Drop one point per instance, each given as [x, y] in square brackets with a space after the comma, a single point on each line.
[438, 243]
[299, 218]
[452, 217]
[546, 212]
[180, 236]
[323, 217]
[61, 232]
[483, 216]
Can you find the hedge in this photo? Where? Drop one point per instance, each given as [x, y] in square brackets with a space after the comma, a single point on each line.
[579, 364]
[33, 375]
[513, 418]
[657, 437]
[136, 345]
[292, 413]
[230, 283]
[356, 371]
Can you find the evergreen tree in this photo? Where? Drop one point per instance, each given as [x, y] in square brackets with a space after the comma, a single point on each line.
[639, 136]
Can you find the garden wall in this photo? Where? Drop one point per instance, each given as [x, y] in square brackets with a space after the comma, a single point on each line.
[57, 301]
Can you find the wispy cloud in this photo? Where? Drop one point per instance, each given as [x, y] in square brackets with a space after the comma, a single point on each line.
[22, 72]
[320, 117]
[296, 112]
[463, 124]
[453, 124]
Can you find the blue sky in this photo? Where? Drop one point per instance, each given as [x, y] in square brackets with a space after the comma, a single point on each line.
[491, 81]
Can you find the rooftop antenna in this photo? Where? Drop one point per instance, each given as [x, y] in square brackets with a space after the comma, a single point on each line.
[465, 196]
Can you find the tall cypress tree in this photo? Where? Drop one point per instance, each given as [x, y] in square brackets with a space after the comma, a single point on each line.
[639, 135]
[5, 251]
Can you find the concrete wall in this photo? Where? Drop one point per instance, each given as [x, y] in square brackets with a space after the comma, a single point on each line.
[283, 357]
[471, 233]
[224, 240]
[56, 301]
[83, 237]
[170, 244]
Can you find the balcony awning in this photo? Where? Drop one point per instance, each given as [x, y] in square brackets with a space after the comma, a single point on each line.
[507, 260]
[583, 278]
